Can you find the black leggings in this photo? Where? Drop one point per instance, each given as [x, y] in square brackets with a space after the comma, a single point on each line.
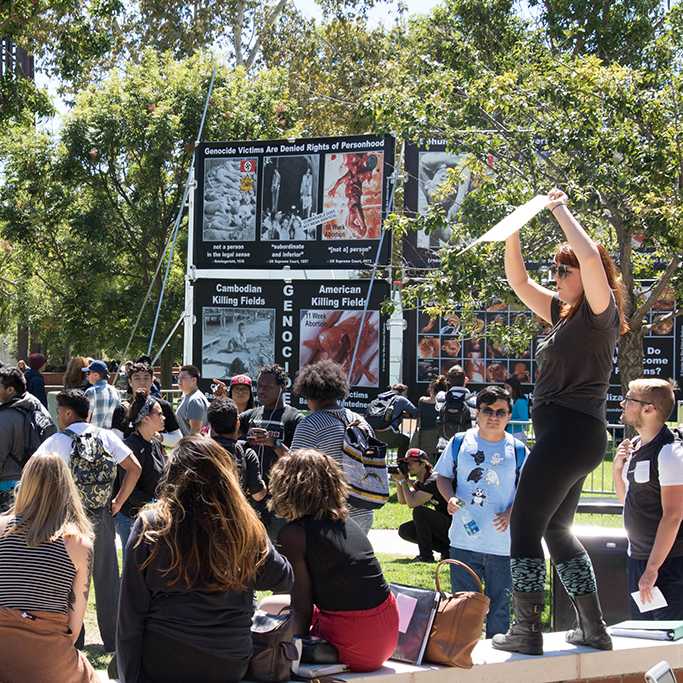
[167, 660]
[569, 446]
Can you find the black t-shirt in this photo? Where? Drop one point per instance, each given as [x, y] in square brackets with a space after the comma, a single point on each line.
[150, 455]
[170, 421]
[282, 421]
[247, 464]
[344, 572]
[643, 503]
[429, 486]
[575, 359]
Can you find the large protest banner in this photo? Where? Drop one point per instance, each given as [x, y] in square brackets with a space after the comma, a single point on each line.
[434, 344]
[428, 166]
[316, 203]
[242, 325]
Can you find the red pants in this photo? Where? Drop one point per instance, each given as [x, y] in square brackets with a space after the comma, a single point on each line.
[365, 639]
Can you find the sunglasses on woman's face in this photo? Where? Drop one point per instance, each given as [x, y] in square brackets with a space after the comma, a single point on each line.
[560, 271]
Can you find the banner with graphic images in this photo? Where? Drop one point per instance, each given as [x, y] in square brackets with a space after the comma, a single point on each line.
[428, 166]
[316, 203]
[242, 325]
[433, 345]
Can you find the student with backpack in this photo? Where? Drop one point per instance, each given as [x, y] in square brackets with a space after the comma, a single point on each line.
[332, 429]
[24, 425]
[92, 455]
[477, 475]
[454, 414]
[385, 414]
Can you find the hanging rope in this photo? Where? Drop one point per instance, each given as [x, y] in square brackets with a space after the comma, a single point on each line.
[179, 216]
[390, 208]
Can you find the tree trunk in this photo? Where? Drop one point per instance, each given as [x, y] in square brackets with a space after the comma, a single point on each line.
[630, 362]
[22, 340]
[166, 362]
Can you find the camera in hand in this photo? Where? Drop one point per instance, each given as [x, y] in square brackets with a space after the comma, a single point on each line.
[401, 467]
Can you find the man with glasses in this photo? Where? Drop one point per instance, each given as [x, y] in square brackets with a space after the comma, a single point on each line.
[477, 476]
[648, 478]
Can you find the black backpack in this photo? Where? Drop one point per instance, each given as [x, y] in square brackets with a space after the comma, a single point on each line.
[38, 426]
[380, 410]
[454, 414]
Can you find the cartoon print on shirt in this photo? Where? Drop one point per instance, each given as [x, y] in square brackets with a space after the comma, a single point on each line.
[491, 477]
[476, 474]
[479, 457]
[496, 459]
[478, 497]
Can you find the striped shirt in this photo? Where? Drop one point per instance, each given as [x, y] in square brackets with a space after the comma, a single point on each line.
[324, 431]
[34, 579]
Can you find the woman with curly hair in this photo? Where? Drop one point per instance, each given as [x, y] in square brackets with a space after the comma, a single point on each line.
[324, 385]
[339, 590]
[46, 549]
[194, 559]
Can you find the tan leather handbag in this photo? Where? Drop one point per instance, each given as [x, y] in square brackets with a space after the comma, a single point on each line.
[458, 623]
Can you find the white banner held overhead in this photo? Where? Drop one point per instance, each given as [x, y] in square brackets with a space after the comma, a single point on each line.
[513, 222]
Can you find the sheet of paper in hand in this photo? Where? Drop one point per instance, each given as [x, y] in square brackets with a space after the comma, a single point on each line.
[513, 222]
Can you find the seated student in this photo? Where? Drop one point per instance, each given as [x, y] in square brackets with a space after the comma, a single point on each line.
[339, 590]
[45, 555]
[194, 559]
[392, 436]
[482, 467]
[427, 430]
[147, 418]
[648, 478]
[430, 523]
[225, 427]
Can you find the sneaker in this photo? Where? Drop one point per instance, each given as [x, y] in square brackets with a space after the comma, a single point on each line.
[419, 558]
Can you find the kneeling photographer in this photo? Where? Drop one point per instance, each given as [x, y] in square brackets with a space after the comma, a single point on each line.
[416, 488]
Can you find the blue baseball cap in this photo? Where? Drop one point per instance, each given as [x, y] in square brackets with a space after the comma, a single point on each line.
[98, 366]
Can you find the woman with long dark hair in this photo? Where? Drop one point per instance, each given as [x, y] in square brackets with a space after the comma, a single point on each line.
[194, 558]
[46, 548]
[520, 408]
[575, 363]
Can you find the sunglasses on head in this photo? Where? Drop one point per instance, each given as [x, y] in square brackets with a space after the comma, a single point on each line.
[560, 270]
[489, 412]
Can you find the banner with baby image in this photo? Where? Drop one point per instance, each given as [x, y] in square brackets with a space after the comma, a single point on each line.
[316, 203]
[242, 325]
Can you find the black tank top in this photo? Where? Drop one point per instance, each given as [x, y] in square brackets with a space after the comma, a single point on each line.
[34, 579]
[345, 574]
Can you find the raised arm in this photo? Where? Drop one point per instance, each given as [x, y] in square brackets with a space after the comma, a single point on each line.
[593, 277]
[533, 295]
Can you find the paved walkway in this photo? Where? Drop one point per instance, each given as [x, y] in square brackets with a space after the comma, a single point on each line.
[388, 542]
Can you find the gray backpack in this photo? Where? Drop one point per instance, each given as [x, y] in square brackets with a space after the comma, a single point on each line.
[93, 469]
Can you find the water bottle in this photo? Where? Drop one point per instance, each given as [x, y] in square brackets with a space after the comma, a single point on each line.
[468, 523]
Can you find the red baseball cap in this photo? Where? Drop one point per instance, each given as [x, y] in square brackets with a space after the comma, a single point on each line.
[241, 379]
[415, 454]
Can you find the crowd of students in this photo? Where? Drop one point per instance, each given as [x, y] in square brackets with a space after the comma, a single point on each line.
[219, 499]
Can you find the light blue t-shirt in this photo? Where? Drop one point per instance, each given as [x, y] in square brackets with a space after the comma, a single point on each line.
[486, 484]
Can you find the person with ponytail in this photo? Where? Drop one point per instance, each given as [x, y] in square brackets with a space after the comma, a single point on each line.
[195, 557]
[574, 359]
[147, 418]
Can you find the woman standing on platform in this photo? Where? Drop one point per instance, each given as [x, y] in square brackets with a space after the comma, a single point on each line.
[575, 363]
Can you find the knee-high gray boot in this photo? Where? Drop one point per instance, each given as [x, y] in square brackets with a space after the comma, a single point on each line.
[590, 630]
[524, 635]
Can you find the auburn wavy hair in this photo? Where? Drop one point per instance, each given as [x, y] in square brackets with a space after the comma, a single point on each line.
[565, 254]
[308, 483]
[216, 540]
